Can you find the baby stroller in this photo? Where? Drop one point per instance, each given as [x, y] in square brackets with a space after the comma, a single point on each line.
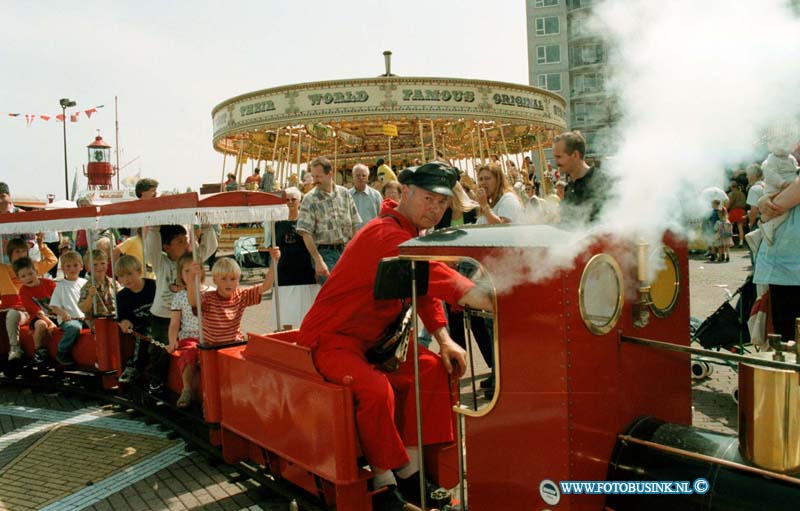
[246, 253]
[726, 328]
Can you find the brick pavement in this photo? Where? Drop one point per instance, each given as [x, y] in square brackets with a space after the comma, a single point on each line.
[52, 445]
[713, 404]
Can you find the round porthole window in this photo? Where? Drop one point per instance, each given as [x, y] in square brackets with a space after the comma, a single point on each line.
[665, 288]
[601, 294]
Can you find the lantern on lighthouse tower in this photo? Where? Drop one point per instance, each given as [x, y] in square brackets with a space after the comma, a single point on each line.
[99, 170]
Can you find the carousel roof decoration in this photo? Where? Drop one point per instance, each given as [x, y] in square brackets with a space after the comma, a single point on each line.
[386, 117]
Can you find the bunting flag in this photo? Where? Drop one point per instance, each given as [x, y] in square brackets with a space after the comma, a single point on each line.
[73, 116]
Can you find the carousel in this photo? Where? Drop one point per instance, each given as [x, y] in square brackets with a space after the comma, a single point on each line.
[398, 119]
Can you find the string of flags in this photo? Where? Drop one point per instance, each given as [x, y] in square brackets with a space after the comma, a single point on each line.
[73, 117]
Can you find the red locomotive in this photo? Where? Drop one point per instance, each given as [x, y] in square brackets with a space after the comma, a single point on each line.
[591, 358]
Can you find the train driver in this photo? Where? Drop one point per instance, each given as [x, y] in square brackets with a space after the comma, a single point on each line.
[345, 321]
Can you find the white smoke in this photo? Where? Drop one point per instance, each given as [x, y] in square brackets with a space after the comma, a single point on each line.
[696, 84]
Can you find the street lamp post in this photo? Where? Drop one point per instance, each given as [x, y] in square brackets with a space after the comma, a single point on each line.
[65, 103]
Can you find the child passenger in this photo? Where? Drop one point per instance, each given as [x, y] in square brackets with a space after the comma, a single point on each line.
[133, 306]
[163, 247]
[223, 307]
[16, 315]
[64, 303]
[97, 295]
[35, 293]
[184, 331]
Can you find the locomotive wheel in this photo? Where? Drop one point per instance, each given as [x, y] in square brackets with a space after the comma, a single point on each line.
[709, 369]
[699, 369]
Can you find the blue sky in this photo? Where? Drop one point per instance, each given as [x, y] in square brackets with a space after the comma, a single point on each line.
[171, 63]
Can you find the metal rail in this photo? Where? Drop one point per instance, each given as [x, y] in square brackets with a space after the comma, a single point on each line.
[710, 459]
[773, 364]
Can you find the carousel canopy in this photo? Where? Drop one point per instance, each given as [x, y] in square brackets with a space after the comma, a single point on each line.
[184, 209]
[359, 119]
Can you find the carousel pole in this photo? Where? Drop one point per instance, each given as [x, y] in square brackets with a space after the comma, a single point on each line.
[542, 163]
[258, 160]
[274, 151]
[239, 164]
[222, 181]
[472, 143]
[275, 145]
[275, 284]
[480, 145]
[421, 141]
[390, 151]
[433, 140]
[488, 145]
[299, 152]
[336, 152]
[279, 168]
[505, 147]
[287, 167]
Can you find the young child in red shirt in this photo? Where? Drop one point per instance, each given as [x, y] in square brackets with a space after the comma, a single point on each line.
[35, 293]
[16, 316]
[222, 308]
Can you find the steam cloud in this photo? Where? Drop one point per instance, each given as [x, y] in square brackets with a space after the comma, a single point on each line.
[696, 83]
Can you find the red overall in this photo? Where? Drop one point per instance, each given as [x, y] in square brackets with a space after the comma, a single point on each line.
[345, 321]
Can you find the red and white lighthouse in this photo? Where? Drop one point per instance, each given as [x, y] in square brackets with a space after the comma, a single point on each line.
[99, 170]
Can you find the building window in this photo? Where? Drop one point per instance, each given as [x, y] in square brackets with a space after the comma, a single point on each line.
[588, 83]
[550, 81]
[577, 4]
[545, 3]
[579, 26]
[586, 55]
[547, 26]
[550, 54]
[586, 112]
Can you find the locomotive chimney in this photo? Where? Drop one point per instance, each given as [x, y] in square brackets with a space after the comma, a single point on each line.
[387, 58]
[641, 311]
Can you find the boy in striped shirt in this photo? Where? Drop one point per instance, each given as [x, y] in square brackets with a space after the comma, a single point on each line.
[222, 308]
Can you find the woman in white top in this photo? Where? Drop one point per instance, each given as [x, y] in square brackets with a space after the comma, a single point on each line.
[496, 198]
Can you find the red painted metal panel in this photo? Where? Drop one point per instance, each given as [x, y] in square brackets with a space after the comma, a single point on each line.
[44, 215]
[239, 199]
[302, 419]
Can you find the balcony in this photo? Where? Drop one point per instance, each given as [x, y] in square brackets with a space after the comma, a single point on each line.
[573, 5]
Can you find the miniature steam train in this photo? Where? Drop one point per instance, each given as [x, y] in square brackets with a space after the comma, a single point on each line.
[592, 383]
